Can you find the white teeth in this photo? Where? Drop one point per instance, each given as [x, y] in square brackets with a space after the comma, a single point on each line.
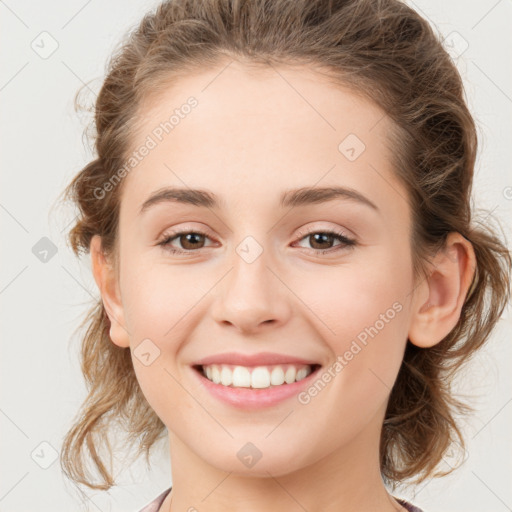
[215, 375]
[277, 376]
[289, 376]
[241, 377]
[302, 374]
[226, 377]
[258, 377]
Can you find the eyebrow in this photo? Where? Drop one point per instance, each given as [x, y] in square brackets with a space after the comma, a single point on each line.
[290, 198]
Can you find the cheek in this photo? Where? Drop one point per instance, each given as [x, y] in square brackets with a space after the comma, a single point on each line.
[348, 299]
[363, 313]
[159, 299]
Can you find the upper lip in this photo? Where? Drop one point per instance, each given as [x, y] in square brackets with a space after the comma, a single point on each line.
[260, 359]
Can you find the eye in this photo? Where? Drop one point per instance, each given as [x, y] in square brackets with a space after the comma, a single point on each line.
[325, 237]
[191, 241]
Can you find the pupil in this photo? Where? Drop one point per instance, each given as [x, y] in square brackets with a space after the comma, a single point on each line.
[322, 235]
[187, 238]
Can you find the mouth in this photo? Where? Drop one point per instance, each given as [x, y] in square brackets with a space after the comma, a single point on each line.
[256, 377]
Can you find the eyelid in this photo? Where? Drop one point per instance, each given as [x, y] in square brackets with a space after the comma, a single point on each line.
[322, 229]
[300, 232]
[185, 228]
[349, 240]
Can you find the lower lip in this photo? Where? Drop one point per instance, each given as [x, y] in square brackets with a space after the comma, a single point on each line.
[249, 398]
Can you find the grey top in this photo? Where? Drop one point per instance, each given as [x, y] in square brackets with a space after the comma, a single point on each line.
[155, 505]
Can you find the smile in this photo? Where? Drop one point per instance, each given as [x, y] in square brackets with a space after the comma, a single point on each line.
[258, 377]
[256, 387]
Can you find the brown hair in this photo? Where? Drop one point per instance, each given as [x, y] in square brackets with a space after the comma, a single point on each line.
[379, 48]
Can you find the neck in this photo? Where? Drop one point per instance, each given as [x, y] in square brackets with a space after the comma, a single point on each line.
[348, 479]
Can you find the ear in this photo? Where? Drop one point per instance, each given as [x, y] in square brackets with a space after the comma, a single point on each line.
[106, 279]
[438, 300]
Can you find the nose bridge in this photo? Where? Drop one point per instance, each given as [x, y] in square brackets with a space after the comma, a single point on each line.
[251, 294]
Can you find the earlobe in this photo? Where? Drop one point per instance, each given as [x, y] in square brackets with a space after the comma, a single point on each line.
[106, 280]
[439, 299]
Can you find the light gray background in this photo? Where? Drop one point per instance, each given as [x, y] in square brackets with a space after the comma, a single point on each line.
[42, 303]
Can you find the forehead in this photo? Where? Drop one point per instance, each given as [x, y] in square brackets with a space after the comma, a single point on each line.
[253, 133]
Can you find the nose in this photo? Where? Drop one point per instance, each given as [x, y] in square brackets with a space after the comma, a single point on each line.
[251, 296]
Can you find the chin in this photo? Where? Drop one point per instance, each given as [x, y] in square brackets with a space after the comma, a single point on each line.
[252, 459]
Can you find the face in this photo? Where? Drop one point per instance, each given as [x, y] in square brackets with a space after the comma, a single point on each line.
[328, 281]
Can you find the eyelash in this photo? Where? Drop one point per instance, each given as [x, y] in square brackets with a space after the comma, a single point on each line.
[345, 241]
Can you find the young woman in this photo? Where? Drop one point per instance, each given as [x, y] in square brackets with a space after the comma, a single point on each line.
[280, 229]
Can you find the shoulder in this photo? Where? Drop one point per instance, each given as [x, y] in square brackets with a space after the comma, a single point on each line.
[154, 505]
[409, 506]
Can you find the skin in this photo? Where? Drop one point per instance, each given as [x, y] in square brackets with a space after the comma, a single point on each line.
[251, 137]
